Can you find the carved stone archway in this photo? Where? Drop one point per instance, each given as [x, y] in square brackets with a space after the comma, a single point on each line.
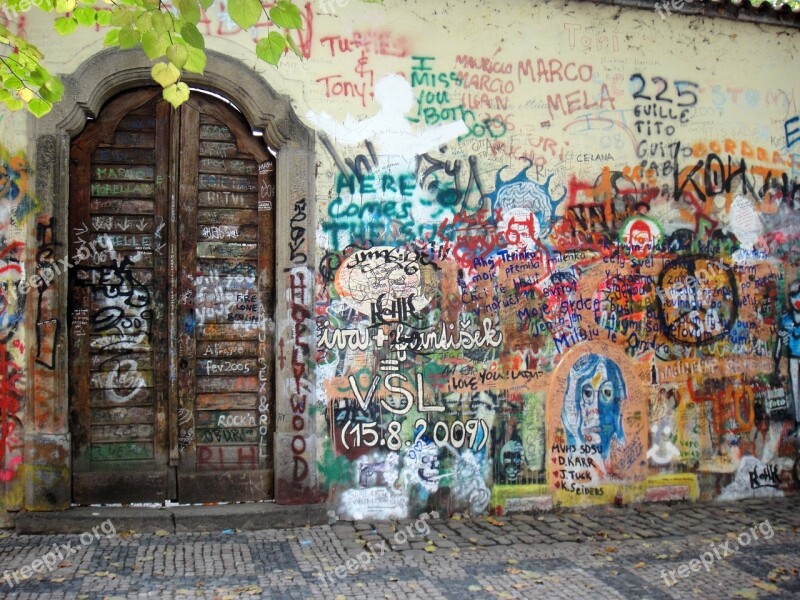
[47, 436]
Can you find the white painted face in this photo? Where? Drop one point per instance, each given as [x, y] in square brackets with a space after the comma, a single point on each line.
[394, 94]
[427, 464]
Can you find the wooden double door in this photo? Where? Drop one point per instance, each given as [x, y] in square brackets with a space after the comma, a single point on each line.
[171, 304]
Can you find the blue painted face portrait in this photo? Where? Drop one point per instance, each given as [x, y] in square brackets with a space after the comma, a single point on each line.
[592, 412]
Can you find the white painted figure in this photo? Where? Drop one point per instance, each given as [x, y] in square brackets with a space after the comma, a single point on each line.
[389, 130]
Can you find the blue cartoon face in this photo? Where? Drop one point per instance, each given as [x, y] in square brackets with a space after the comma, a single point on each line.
[593, 402]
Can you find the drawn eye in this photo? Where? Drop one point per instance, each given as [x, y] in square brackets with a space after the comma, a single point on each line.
[606, 393]
[587, 393]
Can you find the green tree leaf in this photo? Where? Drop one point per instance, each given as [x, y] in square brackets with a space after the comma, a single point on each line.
[270, 48]
[192, 36]
[178, 55]
[25, 94]
[103, 18]
[176, 94]
[190, 10]
[153, 44]
[85, 15]
[206, 4]
[158, 22]
[128, 37]
[196, 62]
[292, 46]
[37, 76]
[112, 38]
[285, 14]
[39, 108]
[122, 17]
[144, 22]
[12, 82]
[52, 90]
[245, 13]
[165, 73]
[14, 104]
[64, 6]
[65, 25]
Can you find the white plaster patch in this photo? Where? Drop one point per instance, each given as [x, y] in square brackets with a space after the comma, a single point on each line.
[745, 222]
[373, 503]
[396, 143]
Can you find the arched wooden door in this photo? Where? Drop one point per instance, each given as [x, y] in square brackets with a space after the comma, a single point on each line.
[171, 304]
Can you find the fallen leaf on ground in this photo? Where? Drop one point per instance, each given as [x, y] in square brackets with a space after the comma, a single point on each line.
[494, 522]
[769, 587]
[780, 574]
[104, 574]
[161, 532]
[748, 594]
[639, 565]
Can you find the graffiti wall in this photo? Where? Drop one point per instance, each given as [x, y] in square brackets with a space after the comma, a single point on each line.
[17, 204]
[553, 257]
[558, 270]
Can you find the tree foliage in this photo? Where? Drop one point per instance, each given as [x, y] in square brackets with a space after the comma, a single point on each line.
[168, 34]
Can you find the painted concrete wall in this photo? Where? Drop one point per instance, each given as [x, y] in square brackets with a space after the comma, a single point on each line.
[553, 252]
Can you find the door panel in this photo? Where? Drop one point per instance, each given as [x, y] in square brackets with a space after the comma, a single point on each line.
[170, 364]
[116, 327]
[226, 182]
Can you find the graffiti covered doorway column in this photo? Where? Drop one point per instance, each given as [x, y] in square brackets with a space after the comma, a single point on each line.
[170, 377]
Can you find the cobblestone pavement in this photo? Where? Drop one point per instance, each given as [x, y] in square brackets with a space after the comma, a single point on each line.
[751, 550]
